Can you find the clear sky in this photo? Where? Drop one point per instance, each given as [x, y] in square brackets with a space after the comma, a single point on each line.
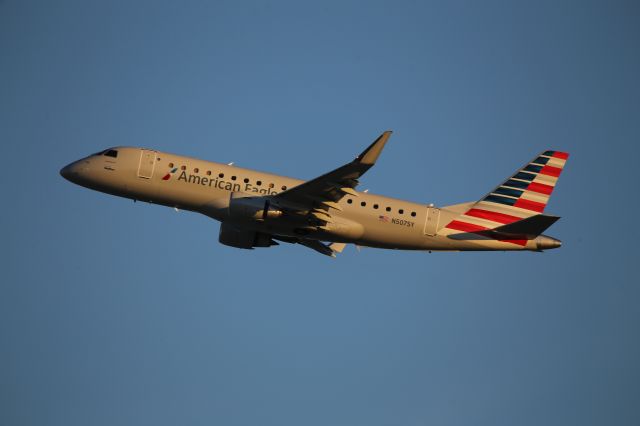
[114, 313]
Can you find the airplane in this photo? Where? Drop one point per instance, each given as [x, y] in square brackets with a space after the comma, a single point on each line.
[258, 209]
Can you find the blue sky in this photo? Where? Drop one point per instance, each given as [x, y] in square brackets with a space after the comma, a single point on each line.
[114, 313]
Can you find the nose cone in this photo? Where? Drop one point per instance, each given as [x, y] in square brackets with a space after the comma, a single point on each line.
[545, 243]
[72, 171]
[65, 172]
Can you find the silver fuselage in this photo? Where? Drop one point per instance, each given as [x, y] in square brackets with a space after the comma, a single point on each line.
[206, 187]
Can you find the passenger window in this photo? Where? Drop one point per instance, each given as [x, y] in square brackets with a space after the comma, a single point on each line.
[284, 187]
[208, 172]
[259, 183]
[246, 180]
[183, 168]
[271, 185]
[221, 175]
[401, 211]
[364, 203]
[233, 178]
[112, 153]
[196, 170]
[349, 201]
[375, 206]
[171, 165]
[388, 209]
[413, 214]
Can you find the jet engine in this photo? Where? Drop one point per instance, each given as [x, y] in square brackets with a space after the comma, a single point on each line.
[253, 208]
[231, 235]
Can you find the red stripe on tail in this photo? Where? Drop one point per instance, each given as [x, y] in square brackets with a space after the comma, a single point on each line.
[540, 188]
[493, 216]
[465, 227]
[551, 171]
[530, 205]
[518, 242]
[561, 155]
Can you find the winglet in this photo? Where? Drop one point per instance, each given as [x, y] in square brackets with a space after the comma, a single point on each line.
[371, 154]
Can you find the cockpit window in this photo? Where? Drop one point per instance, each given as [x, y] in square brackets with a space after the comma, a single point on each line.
[108, 152]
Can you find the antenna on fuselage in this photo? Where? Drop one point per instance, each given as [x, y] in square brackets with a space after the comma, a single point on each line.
[230, 164]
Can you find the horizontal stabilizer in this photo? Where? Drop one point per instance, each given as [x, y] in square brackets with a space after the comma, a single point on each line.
[528, 228]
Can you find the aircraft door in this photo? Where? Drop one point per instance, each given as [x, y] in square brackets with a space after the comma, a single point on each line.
[431, 222]
[147, 163]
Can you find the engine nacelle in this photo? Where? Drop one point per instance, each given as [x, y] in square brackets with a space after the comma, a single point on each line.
[231, 235]
[242, 206]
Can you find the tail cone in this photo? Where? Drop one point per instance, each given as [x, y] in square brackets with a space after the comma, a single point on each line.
[545, 243]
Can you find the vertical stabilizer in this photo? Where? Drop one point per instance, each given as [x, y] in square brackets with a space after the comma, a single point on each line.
[523, 195]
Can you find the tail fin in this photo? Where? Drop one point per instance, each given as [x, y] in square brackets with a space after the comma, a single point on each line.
[523, 195]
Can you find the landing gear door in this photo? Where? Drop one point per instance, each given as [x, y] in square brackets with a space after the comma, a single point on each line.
[431, 222]
[147, 164]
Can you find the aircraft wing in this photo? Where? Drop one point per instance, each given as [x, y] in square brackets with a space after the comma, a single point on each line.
[325, 191]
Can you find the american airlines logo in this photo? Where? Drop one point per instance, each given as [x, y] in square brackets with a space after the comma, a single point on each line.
[168, 175]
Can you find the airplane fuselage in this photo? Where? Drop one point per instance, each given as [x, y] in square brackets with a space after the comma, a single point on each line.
[208, 188]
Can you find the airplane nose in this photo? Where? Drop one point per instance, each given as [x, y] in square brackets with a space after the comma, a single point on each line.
[65, 172]
[72, 171]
